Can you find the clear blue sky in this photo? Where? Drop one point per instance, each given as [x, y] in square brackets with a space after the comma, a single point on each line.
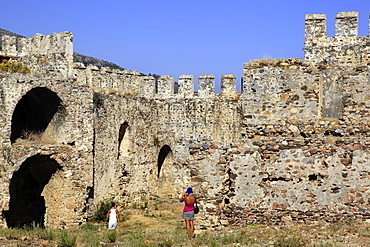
[170, 37]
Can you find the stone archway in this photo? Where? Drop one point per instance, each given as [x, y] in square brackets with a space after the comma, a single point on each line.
[27, 205]
[38, 111]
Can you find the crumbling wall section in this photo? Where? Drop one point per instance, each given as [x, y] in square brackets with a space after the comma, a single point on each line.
[152, 124]
[71, 145]
[43, 54]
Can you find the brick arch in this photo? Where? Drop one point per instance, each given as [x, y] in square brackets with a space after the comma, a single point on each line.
[37, 110]
[27, 205]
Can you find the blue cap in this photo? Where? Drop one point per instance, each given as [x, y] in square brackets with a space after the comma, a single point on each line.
[189, 190]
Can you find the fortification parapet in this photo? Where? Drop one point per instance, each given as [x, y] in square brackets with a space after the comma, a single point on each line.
[43, 54]
[109, 81]
[165, 86]
[346, 24]
[346, 48]
[315, 26]
[186, 86]
[206, 86]
[9, 45]
[228, 85]
[147, 88]
[38, 44]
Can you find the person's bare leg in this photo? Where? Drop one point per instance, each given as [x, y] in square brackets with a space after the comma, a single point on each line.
[191, 223]
[188, 228]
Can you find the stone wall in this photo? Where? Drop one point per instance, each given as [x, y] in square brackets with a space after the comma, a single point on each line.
[345, 48]
[277, 166]
[43, 54]
[67, 140]
[293, 146]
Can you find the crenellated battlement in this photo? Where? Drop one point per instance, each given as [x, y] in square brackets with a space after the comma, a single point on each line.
[43, 54]
[52, 54]
[127, 82]
[345, 48]
[37, 45]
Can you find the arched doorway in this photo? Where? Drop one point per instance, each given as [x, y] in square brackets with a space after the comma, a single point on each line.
[27, 206]
[34, 112]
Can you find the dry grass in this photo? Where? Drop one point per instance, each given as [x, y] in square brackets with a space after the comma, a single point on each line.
[30, 137]
[13, 67]
[160, 224]
[140, 232]
[274, 62]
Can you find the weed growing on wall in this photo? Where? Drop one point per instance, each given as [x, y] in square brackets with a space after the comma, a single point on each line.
[13, 67]
[97, 100]
[144, 206]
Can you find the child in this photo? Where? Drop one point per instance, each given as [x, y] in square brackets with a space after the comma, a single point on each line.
[113, 217]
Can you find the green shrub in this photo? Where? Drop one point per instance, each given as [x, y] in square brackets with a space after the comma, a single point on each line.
[111, 236]
[89, 226]
[123, 216]
[166, 243]
[290, 241]
[66, 240]
[12, 234]
[144, 206]
[47, 234]
[102, 211]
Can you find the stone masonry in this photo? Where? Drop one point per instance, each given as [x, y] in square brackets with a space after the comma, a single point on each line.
[292, 147]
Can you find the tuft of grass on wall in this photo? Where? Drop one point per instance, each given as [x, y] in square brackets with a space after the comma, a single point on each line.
[13, 67]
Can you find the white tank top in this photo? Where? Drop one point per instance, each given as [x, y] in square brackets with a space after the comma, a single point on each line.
[112, 214]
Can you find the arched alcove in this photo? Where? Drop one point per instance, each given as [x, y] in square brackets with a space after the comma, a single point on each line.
[27, 205]
[167, 173]
[124, 141]
[164, 153]
[33, 114]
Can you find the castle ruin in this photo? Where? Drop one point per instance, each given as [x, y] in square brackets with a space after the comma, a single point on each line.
[293, 146]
